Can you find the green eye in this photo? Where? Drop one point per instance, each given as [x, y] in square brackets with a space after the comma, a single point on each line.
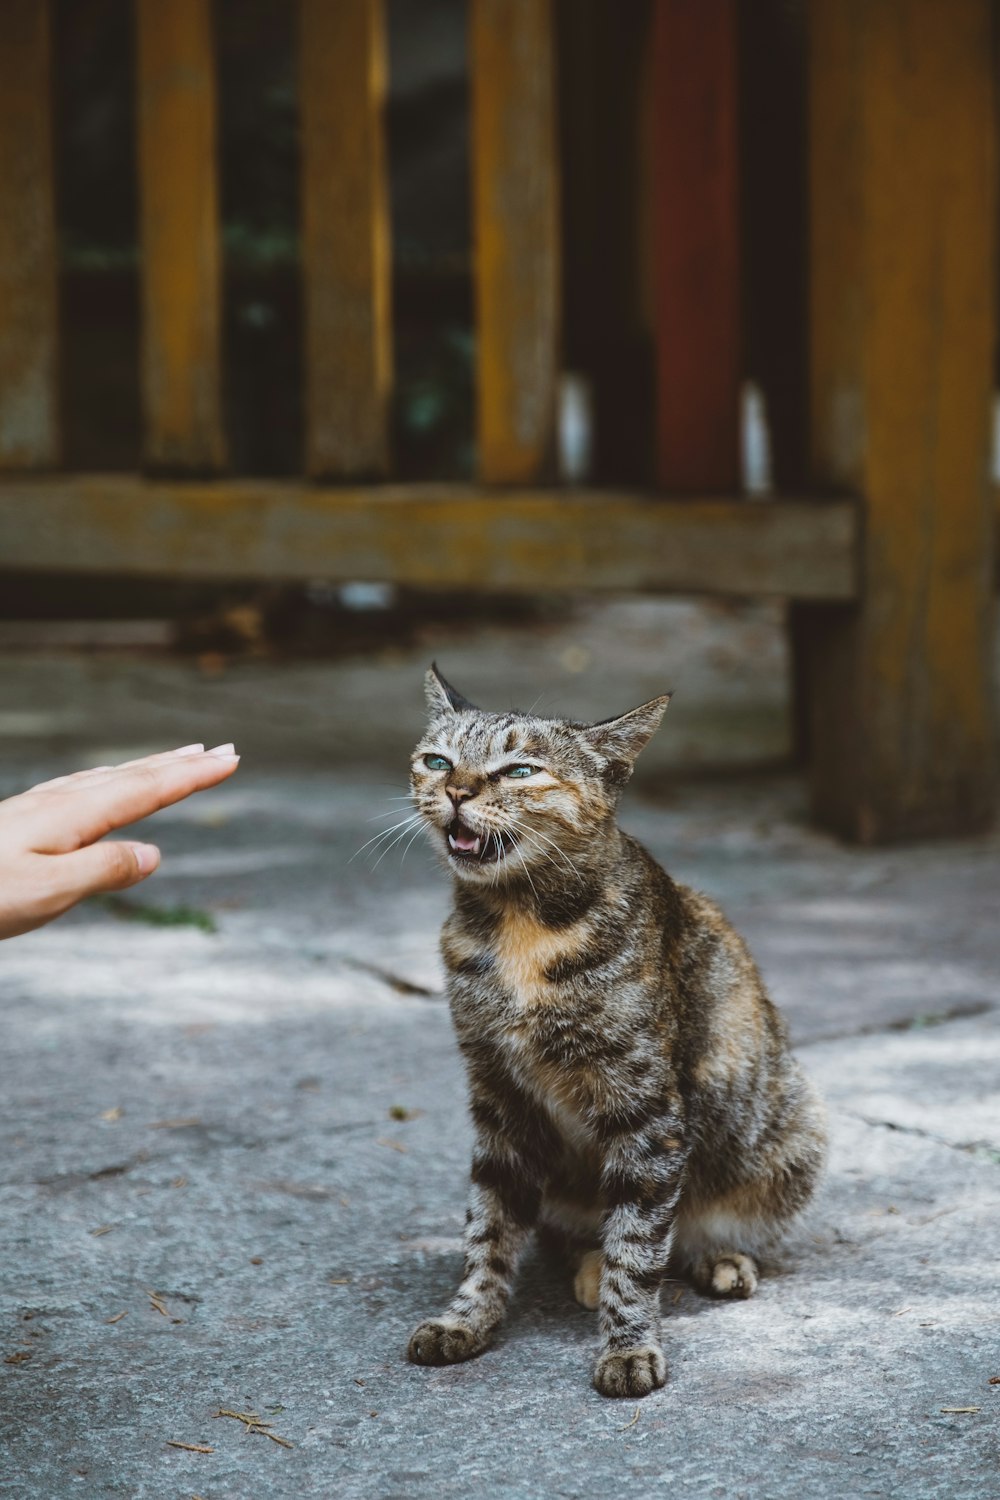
[517, 772]
[437, 763]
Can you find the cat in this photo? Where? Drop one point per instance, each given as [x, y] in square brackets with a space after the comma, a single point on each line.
[631, 1089]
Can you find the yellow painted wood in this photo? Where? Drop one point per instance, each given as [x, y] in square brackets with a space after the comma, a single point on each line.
[903, 330]
[346, 240]
[434, 535]
[28, 319]
[516, 234]
[179, 223]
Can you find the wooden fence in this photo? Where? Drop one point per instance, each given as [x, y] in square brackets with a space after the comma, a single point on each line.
[892, 580]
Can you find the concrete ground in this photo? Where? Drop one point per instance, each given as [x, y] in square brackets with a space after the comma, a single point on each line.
[233, 1160]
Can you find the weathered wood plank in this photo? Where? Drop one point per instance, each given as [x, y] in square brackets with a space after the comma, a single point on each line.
[439, 536]
[28, 316]
[515, 213]
[346, 237]
[179, 230]
[903, 214]
[697, 259]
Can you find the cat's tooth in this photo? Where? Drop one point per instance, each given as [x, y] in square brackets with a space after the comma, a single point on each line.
[477, 846]
[452, 841]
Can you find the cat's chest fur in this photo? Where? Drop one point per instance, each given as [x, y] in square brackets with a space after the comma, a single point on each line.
[514, 1004]
[519, 963]
[528, 957]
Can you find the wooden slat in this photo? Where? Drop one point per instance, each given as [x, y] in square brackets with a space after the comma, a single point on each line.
[440, 536]
[28, 320]
[515, 209]
[181, 288]
[903, 165]
[696, 229]
[345, 252]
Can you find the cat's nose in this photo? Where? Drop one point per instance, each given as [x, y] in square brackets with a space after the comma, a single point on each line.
[459, 793]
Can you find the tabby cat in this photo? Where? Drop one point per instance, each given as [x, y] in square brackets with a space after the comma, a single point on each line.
[632, 1093]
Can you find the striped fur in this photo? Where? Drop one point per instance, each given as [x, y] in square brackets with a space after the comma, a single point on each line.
[631, 1089]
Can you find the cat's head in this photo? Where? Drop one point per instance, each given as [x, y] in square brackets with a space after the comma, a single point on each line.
[511, 794]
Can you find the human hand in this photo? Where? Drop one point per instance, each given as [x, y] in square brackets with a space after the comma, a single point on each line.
[50, 857]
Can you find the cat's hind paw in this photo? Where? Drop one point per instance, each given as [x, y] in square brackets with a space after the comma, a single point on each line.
[730, 1275]
[630, 1372]
[444, 1341]
[587, 1282]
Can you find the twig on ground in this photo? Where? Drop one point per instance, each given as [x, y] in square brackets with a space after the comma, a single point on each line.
[253, 1423]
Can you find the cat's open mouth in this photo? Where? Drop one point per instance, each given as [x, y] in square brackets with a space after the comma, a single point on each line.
[466, 845]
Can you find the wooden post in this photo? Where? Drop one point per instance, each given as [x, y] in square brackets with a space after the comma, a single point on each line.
[28, 310]
[515, 212]
[346, 239]
[181, 284]
[903, 243]
[696, 229]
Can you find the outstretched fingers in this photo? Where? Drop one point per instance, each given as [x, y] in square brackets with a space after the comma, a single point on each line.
[94, 773]
[82, 809]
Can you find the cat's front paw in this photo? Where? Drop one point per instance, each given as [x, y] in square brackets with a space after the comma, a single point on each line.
[631, 1372]
[444, 1341]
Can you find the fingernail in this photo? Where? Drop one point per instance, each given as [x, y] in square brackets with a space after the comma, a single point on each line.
[188, 750]
[147, 857]
[225, 750]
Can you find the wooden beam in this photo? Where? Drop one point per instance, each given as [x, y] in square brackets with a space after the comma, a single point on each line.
[28, 312]
[179, 224]
[434, 536]
[903, 183]
[697, 256]
[345, 251]
[515, 213]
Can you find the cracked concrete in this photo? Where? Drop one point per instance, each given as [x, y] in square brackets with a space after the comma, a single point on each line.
[265, 1126]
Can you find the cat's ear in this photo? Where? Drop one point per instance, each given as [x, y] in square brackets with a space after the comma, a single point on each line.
[622, 739]
[442, 698]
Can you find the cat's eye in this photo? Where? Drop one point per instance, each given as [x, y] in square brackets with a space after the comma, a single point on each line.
[517, 773]
[437, 763]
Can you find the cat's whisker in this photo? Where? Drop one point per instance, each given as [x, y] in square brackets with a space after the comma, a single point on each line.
[385, 833]
[389, 812]
[404, 830]
[496, 870]
[422, 828]
[527, 872]
[533, 835]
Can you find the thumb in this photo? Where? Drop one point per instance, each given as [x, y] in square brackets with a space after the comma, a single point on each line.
[106, 867]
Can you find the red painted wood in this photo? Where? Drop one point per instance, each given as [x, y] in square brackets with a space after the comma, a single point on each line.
[697, 259]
